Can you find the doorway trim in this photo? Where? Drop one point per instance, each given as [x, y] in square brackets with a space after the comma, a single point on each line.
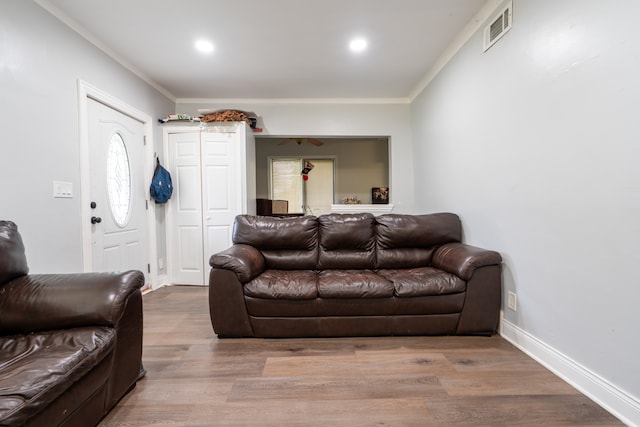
[86, 92]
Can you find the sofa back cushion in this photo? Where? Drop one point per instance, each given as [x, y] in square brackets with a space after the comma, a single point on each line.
[408, 241]
[13, 262]
[286, 243]
[347, 241]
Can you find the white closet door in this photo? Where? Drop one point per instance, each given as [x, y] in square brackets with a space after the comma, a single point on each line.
[210, 178]
[185, 251]
[221, 188]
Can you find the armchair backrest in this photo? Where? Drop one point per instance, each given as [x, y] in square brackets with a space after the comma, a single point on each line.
[407, 241]
[285, 243]
[347, 241]
[13, 261]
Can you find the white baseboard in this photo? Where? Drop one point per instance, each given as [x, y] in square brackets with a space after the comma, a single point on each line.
[161, 281]
[619, 403]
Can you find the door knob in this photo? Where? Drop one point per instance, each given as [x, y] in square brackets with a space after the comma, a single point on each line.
[96, 220]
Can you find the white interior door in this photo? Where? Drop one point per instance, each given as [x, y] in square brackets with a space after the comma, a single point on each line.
[207, 186]
[210, 189]
[221, 189]
[117, 190]
[318, 188]
[186, 246]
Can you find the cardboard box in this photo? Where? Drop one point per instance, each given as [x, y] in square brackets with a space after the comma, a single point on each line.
[279, 206]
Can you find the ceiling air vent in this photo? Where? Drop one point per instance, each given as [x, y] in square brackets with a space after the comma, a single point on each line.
[499, 25]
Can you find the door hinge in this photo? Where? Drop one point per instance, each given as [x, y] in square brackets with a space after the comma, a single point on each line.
[149, 268]
[146, 204]
[144, 138]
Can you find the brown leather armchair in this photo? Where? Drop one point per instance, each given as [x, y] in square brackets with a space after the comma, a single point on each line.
[70, 344]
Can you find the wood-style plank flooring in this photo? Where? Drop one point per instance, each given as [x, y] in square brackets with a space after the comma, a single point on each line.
[195, 379]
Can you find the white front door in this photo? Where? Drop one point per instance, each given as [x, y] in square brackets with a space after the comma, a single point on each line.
[117, 190]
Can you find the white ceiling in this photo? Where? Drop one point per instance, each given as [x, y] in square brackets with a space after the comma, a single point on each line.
[272, 49]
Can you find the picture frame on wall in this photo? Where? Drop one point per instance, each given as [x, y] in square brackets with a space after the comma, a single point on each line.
[380, 195]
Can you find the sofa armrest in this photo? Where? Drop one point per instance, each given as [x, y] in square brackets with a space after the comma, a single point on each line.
[41, 302]
[462, 260]
[244, 260]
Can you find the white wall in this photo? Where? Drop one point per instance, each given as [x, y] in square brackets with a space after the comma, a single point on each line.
[536, 144]
[41, 61]
[339, 119]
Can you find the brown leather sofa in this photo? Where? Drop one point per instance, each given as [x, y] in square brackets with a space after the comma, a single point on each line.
[353, 275]
[70, 344]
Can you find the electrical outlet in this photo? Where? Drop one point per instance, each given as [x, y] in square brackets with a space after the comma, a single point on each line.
[512, 301]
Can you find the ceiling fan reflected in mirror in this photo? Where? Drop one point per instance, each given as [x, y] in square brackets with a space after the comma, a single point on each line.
[299, 141]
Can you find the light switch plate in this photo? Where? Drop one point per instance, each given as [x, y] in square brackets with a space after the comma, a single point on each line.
[62, 189]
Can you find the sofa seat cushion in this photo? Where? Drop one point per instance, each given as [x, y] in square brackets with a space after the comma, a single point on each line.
[353, 284]
[36, 369]
[423, 281]
[284, 284]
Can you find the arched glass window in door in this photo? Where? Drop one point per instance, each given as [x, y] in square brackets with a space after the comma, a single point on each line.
[119, 180]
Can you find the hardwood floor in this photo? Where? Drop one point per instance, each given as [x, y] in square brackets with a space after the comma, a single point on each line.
[195, 379]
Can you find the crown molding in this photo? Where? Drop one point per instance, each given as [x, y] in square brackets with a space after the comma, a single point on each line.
[454, 47]
[252, 101]
[87, 35]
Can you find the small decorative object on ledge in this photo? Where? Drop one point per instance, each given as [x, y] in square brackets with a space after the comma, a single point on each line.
[380, 195]
[351, 201]
[179, 118]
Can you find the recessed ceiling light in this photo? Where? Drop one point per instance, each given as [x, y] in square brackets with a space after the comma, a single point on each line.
[204, 46]
[358, 45]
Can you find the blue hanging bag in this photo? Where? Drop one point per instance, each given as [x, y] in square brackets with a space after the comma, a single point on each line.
[161, 186]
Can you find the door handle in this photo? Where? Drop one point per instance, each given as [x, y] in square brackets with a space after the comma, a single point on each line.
[96, 220]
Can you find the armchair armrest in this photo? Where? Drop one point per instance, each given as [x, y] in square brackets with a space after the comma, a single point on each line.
[54, 301]
[244, 260]
[462, 260]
